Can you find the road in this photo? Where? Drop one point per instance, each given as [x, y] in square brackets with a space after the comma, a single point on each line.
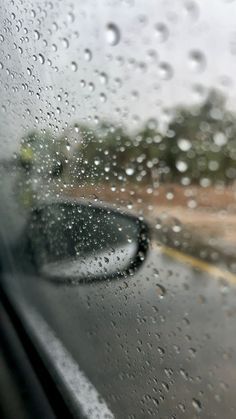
[160, 343]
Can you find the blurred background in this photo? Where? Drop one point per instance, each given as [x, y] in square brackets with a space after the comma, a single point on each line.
[129, 103]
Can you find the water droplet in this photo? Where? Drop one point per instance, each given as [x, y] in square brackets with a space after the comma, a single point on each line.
[55, 26]
[103, 78]
[155, 401]
[161, 32]
[161, 350]
[118, 82]
[74, 66]
[199, 92]
[169, 195]
[158, 225]
[71, 17]
[197, 405]
[197, 61]
[220, 139]
[87, 55]
[96, 161]
[183, 373]
[65, 43]
[112, 34]
[36, 35]
[184, 144]
[134, 95]
[177, 227]
[91, 87]
[129, 171]
[152, 55]
[181, 166]
[152, 124]
[161, 291]
[41, 59]
[165, 71]
[103, 97]
[191, 9]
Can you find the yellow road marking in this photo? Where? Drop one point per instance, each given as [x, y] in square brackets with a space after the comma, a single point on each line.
[197, 263]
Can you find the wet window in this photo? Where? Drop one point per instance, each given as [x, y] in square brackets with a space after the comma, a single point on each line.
[118, 199]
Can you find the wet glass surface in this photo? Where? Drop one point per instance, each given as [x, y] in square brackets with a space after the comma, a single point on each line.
[130, 106]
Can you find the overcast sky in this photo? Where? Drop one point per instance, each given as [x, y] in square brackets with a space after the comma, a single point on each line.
[162, 52]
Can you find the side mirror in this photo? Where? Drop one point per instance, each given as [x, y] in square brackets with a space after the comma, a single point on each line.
[74, 241]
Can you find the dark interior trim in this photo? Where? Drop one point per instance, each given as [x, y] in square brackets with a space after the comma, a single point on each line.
[59, 406]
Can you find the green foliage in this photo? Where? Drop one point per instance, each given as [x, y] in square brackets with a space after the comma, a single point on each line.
[40, 151]
[211, 133]
[198, 147]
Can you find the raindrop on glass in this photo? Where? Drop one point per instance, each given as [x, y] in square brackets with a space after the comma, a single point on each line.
[74, 66]
[112, 34]
[103, 97]
[129, 171]
[161, 291]
[197, 405]
[191, 9]
[161, 32]
[181, 166]
[41, 59]
[36, 35]
[184, 144]
[103, 78]
[197, 61]
[65, 43]
[87, 55]
[165, 71]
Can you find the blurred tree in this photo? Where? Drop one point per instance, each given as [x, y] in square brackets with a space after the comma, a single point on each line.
[103, 154]
[199, 146]
[41, 158]
[200, 142]
[41, 152]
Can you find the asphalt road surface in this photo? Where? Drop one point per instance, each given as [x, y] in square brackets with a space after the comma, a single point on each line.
[158, 344]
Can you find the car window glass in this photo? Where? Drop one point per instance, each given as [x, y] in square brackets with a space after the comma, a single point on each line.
[117, 183]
